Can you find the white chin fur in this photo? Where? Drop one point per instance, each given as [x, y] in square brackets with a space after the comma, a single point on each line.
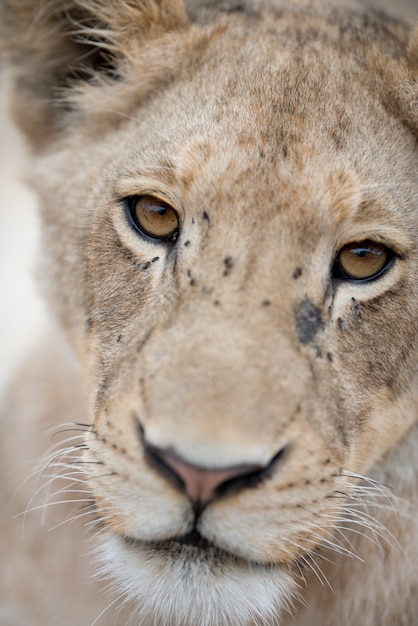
[176, 587]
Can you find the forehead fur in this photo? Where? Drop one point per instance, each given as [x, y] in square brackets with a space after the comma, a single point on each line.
[75, 56]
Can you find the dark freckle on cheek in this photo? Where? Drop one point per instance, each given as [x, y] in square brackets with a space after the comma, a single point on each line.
[266, 303]
[308, 321]
[229, 264]
[297, 272]
[330, 357]
[143, 265]
[187, 243]
[216, 302]
[206, 216]
[356, 308]
[192, 281]
[118, 338]
[342, 323]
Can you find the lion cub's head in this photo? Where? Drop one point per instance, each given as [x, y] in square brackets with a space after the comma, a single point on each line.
[229, 198]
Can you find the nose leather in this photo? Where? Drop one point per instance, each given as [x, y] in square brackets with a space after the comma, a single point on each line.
[201, 483]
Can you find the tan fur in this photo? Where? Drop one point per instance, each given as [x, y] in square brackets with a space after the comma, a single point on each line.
[279, 132]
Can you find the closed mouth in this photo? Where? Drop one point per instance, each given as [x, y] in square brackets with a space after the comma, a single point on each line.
[194, 539]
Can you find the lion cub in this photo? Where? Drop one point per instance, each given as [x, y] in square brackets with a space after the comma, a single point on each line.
[228, 415]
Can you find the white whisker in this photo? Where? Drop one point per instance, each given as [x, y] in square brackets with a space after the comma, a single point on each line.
[74, 517]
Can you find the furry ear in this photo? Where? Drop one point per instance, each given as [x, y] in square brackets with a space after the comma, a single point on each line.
[62, 50]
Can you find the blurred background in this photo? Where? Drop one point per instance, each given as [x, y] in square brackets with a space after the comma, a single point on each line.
[21, 309]
[22, 316]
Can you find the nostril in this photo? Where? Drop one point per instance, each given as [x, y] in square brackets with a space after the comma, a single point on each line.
[252, 478]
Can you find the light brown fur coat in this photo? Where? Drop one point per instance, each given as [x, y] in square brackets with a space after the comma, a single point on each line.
[279, 133]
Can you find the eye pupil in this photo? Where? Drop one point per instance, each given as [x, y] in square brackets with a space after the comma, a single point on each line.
[362, 261]
[153, 218]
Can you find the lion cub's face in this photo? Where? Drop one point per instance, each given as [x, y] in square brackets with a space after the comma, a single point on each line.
[234, 255]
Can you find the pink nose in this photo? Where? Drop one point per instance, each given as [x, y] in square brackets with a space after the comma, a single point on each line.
[200, 483]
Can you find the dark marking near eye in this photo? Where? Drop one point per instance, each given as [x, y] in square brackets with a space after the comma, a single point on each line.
[229, 264]
[297, 272]
[155, 259]
[356, 308]
[206, 216]
[240, 7]
[342, 323]
[187, 243]
[192, 281]
[308, 321]
[144, 265]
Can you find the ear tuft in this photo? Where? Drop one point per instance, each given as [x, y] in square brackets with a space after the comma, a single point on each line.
[58, 48]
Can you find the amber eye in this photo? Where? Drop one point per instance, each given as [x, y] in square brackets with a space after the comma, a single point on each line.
[362, 261]
[153, 217]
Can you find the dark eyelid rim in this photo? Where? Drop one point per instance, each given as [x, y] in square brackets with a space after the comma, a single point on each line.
[128, 204]
[343, 277]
